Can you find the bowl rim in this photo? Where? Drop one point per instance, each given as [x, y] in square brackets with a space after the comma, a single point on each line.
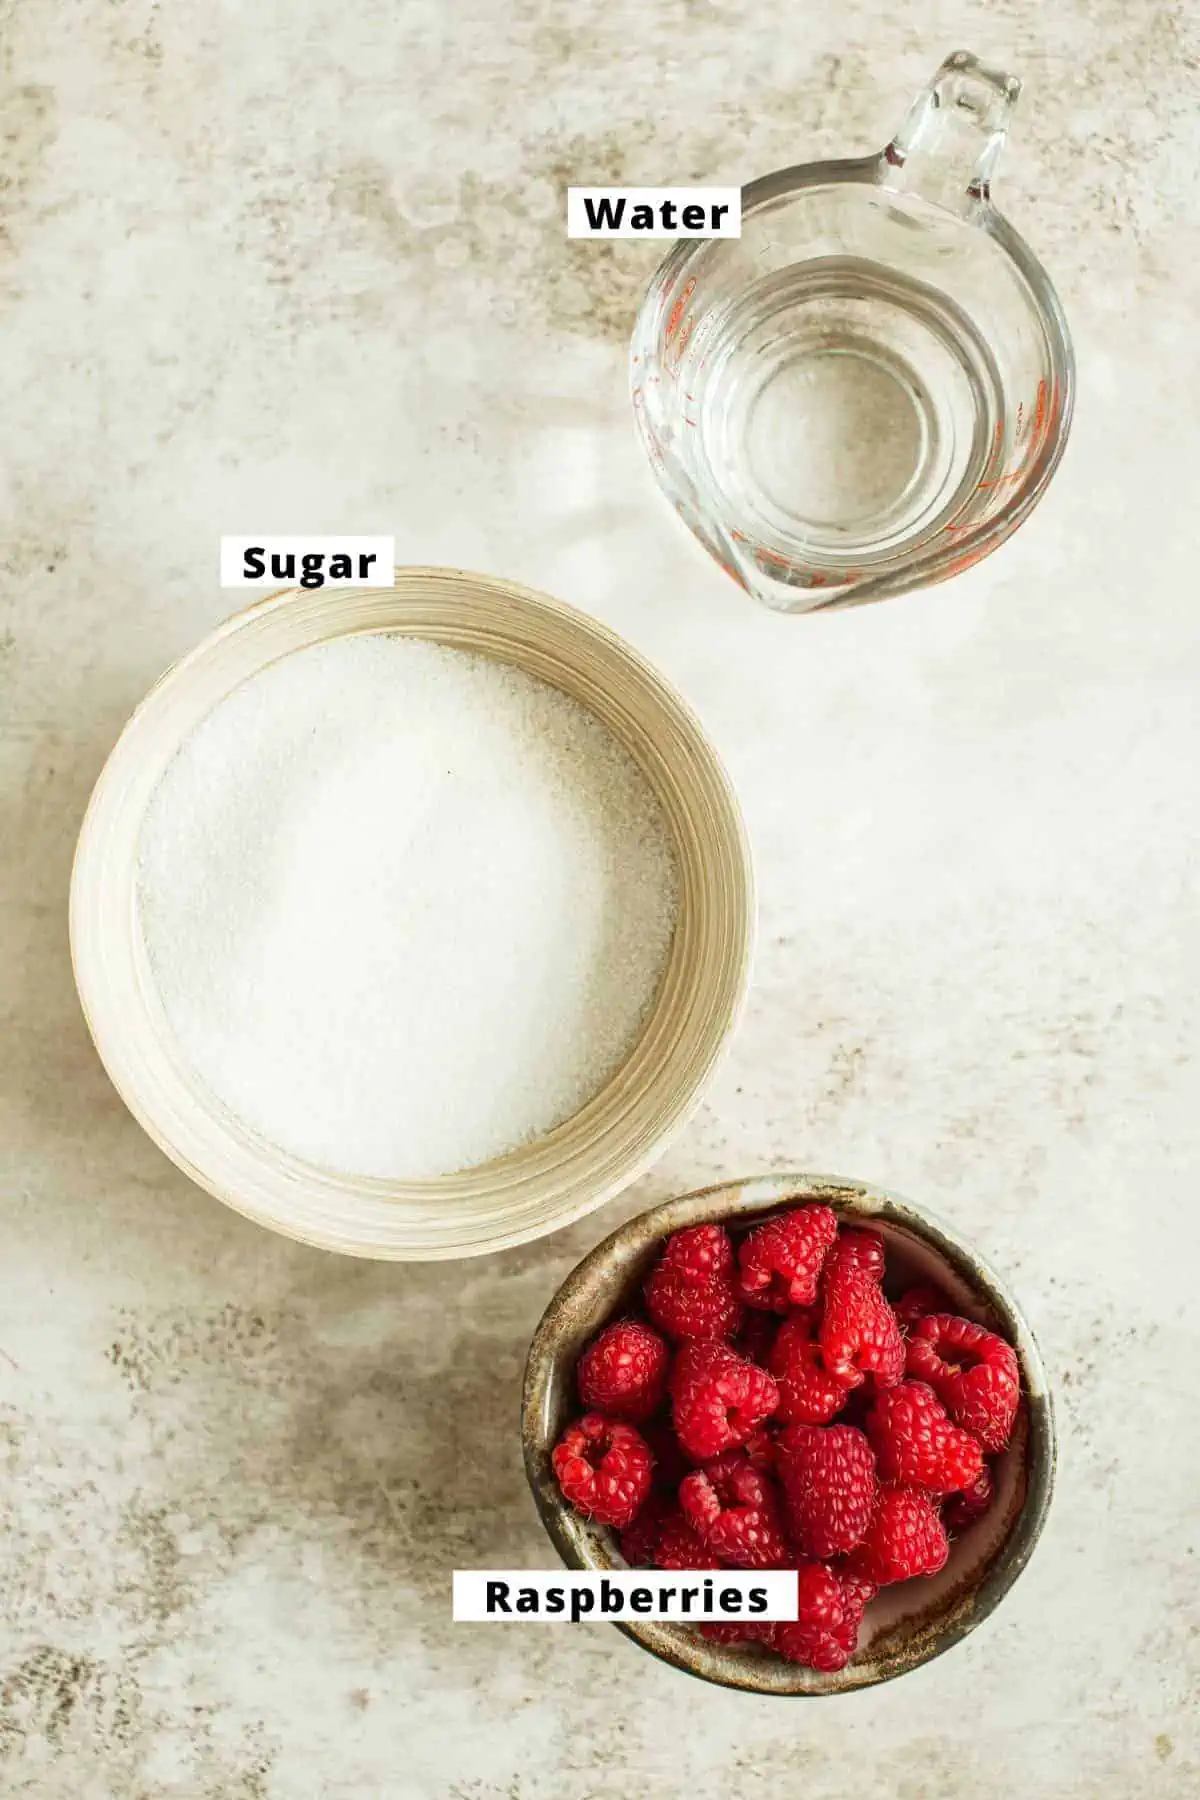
[415, 587]
[748, 1198]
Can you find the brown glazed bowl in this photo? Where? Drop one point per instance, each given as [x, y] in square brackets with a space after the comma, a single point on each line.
[910, 1623]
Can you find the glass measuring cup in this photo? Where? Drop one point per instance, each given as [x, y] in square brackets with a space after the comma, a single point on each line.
[871, 388]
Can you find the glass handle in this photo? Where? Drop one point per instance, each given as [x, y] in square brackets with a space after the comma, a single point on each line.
[948, 145]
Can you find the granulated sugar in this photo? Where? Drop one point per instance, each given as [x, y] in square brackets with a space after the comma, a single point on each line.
[406, 908]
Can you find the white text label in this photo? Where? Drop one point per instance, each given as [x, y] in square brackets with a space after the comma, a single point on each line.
[307, 562]
[641, 212]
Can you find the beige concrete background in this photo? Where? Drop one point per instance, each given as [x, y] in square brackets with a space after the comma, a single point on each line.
[300, 265]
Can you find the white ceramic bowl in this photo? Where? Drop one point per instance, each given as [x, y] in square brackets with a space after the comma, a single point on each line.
[583, 1162]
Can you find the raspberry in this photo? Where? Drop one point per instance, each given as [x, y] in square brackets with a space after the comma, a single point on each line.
[718, 1399]
[698, 1500]
[604, 1469]
[974, 1374]
[700, 1253]
[962, 1510]
[709, 1311]
[904, 1538]
[733, 1631]
[859, 1334]
[862, 1251]
[781, 1260]
[916, 1445]
[807, 1395]
[829, 1485]
[857, 1593]
[690, 1290]
[824, 1633]
[679, 1547]
[729, 1480]
[735, 1510]
[639, 1541]
[745, 1538]
[623, 1372]
[815, 1640]
[917, 1302]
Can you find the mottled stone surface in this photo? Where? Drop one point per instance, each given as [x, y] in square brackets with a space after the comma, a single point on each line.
[300, 265]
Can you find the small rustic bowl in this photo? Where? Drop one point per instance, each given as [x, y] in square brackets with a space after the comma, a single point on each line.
[911, 1622]
[619, 1132]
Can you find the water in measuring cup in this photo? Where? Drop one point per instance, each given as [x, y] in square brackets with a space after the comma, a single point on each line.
[842, 412]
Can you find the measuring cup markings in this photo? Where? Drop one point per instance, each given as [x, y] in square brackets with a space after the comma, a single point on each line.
[1030, 438]
[677, 311]
[772, 559]
[673, 359]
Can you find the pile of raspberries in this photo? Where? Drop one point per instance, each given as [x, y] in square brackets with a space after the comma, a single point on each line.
[709, 1438]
